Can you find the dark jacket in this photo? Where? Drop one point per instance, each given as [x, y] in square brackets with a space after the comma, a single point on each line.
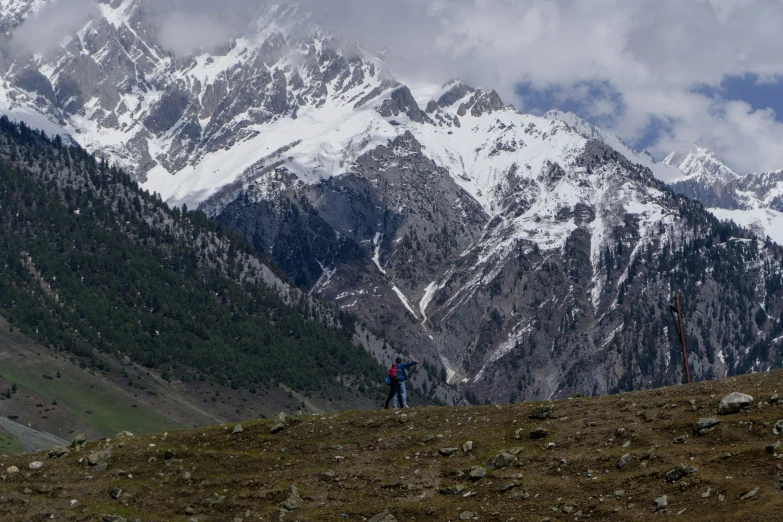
[401, 367]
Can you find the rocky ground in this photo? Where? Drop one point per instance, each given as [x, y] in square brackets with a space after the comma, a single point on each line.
[635, 456]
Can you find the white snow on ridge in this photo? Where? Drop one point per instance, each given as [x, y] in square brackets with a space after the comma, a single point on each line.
[405, 301]
[660, 170]
[376, 258]
[429, 293]
[761, 221]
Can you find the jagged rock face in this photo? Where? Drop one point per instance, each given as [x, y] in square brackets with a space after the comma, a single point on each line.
[117, 90]
[528, 257]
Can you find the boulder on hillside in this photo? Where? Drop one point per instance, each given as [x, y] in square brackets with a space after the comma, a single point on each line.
[80, 441]
[99, 456]
[502, 460]
[705, 425]
[279, 424]
[293, 500]
[733, 403]
[57, 452]
[541, 412]
[383, 516]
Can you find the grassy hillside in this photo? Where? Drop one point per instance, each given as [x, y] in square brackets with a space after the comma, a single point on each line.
[54, 394]
[606, 458]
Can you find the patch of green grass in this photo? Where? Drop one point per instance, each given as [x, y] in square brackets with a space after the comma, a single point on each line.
[77, 391]
[9, 444]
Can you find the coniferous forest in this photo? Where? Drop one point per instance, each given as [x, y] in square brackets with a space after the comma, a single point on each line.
[92, 264]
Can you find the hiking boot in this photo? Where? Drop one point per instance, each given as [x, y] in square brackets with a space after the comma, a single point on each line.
[406, 406]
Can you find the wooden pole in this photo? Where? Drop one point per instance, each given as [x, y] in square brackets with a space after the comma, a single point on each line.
[682, 337]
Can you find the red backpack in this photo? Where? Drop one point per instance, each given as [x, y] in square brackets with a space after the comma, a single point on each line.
[392, 373]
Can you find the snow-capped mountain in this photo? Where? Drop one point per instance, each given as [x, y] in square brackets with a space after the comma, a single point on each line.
[753, 201]
[702, 164]
[526, 256]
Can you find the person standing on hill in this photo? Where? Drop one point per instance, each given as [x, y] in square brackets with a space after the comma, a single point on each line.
[396, 379]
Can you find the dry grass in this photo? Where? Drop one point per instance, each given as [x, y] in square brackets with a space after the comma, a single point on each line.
[375, 461]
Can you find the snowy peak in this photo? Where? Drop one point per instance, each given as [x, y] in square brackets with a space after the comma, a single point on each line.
[661, 171]
[701, 162]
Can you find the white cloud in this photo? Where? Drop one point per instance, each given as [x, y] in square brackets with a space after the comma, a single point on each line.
[53, 23]
[651, 52]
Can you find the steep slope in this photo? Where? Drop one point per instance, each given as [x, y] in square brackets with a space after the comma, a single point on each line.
[624, 457]
[96, 269]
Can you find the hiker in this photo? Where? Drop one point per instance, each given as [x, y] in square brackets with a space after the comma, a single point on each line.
[396, 378]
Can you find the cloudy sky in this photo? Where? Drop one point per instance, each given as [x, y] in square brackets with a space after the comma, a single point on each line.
[662, 74]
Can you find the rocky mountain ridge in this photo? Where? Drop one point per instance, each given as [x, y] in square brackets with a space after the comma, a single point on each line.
[525, 257]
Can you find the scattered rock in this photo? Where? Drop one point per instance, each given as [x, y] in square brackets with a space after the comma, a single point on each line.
[98, 456]
[726, 456]
[774, 399]
[80, 441]
[660, 503]
[770, 448]
[733, 403]
[293, 500]
[58, 452]
[36, 465]
[447, 452]
[477, 472]
[383, 516]
[115, 493]
[681, 439]
[692, 402]
[468, 515]
[750, 494]
[123, 434]
[280, 422]
[101, 467]
[704, 426]
[519, 433]
[468, 446]
[519, 494]
[541, 412]
[624, 460]
[777, 429]
[539, 433]
[169, 454]
[707, 493]
[509, 487]
[502, 460]
[237, 429]
[210, 502]
[428, 438]
[11, 470]
[403, 418]
[516, 451]
[113, 518]
[681, 471]
[454, 489]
